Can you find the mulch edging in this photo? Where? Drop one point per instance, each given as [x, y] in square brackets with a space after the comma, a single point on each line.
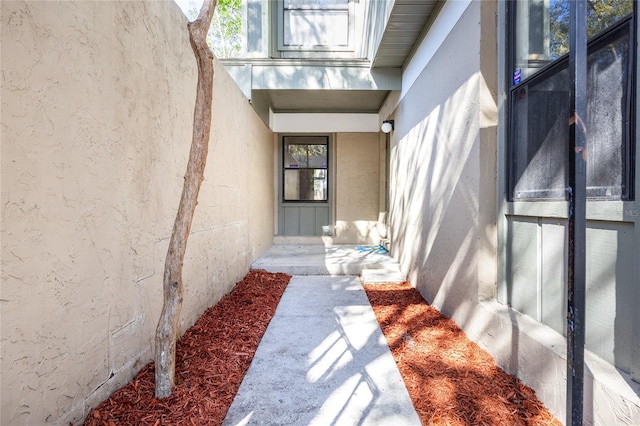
[212, 358]
[451, 380]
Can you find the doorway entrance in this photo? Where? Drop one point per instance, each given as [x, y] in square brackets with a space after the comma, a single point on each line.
[305, 207]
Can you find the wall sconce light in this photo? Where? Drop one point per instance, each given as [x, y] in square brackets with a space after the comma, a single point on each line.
[388, 126]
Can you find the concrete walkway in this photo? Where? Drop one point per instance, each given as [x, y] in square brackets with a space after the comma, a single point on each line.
[323, 359]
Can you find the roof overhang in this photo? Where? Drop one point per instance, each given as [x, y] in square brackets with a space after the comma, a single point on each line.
[408, 22]
[286, 86]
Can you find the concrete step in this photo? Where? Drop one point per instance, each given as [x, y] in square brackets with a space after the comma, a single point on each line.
[318, 259]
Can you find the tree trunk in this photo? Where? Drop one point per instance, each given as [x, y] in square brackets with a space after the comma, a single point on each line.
[166, 333]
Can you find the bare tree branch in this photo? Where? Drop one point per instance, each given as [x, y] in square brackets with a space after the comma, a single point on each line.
[167, 330]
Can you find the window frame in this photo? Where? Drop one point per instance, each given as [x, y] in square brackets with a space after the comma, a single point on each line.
[327, 48]
[628, 161]
[326, 169]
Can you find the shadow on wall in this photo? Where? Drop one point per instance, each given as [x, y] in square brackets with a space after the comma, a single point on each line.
[434, 208]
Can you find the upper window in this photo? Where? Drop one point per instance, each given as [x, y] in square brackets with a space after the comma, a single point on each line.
[305, 160]
[541, 28]
[539, 151]
[316, 25]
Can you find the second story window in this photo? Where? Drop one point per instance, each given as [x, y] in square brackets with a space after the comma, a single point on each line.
[314, 25]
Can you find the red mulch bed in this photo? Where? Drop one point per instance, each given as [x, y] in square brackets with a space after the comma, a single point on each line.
[451, 380]
[211, 360]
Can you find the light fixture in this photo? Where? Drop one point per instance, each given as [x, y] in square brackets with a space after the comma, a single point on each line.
[387, 126]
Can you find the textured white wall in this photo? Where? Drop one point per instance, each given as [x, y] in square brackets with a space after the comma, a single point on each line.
[435, 164]
[97, 105]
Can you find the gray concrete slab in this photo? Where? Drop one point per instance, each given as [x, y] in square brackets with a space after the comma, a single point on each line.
[323, 361]
[318, 259]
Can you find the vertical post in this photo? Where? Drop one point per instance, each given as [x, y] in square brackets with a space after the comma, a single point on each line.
[577, 213]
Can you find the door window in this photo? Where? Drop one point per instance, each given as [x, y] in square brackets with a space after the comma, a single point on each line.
[305, 162]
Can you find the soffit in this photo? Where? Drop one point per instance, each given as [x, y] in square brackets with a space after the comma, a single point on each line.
[406, 25]
[305, 86]
[323, 101]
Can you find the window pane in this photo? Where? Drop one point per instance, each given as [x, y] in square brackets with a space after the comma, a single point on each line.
[542, 29]
[295, 156]
[305, 185]
[317, 156]
[607, 113]
[559, 29]
[540, 132]
[532, 35]
[601, 14]
[305, 151]
[298, 156]
[316, 27]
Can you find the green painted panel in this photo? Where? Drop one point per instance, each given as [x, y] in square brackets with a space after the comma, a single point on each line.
[291, 220]
[308, 221]
[322, 219]
[553, 244]
[536, 276]
[305, 220]
[522, 265]
[610, 305]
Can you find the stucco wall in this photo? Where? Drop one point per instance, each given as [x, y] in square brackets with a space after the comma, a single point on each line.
[443, 212]
[357, 187]
[97, 111]
[435, 172]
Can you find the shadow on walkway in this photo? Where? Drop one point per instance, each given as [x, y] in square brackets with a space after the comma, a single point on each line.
[323, 359]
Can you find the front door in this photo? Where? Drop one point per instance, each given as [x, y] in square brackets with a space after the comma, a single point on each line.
[304, 186]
